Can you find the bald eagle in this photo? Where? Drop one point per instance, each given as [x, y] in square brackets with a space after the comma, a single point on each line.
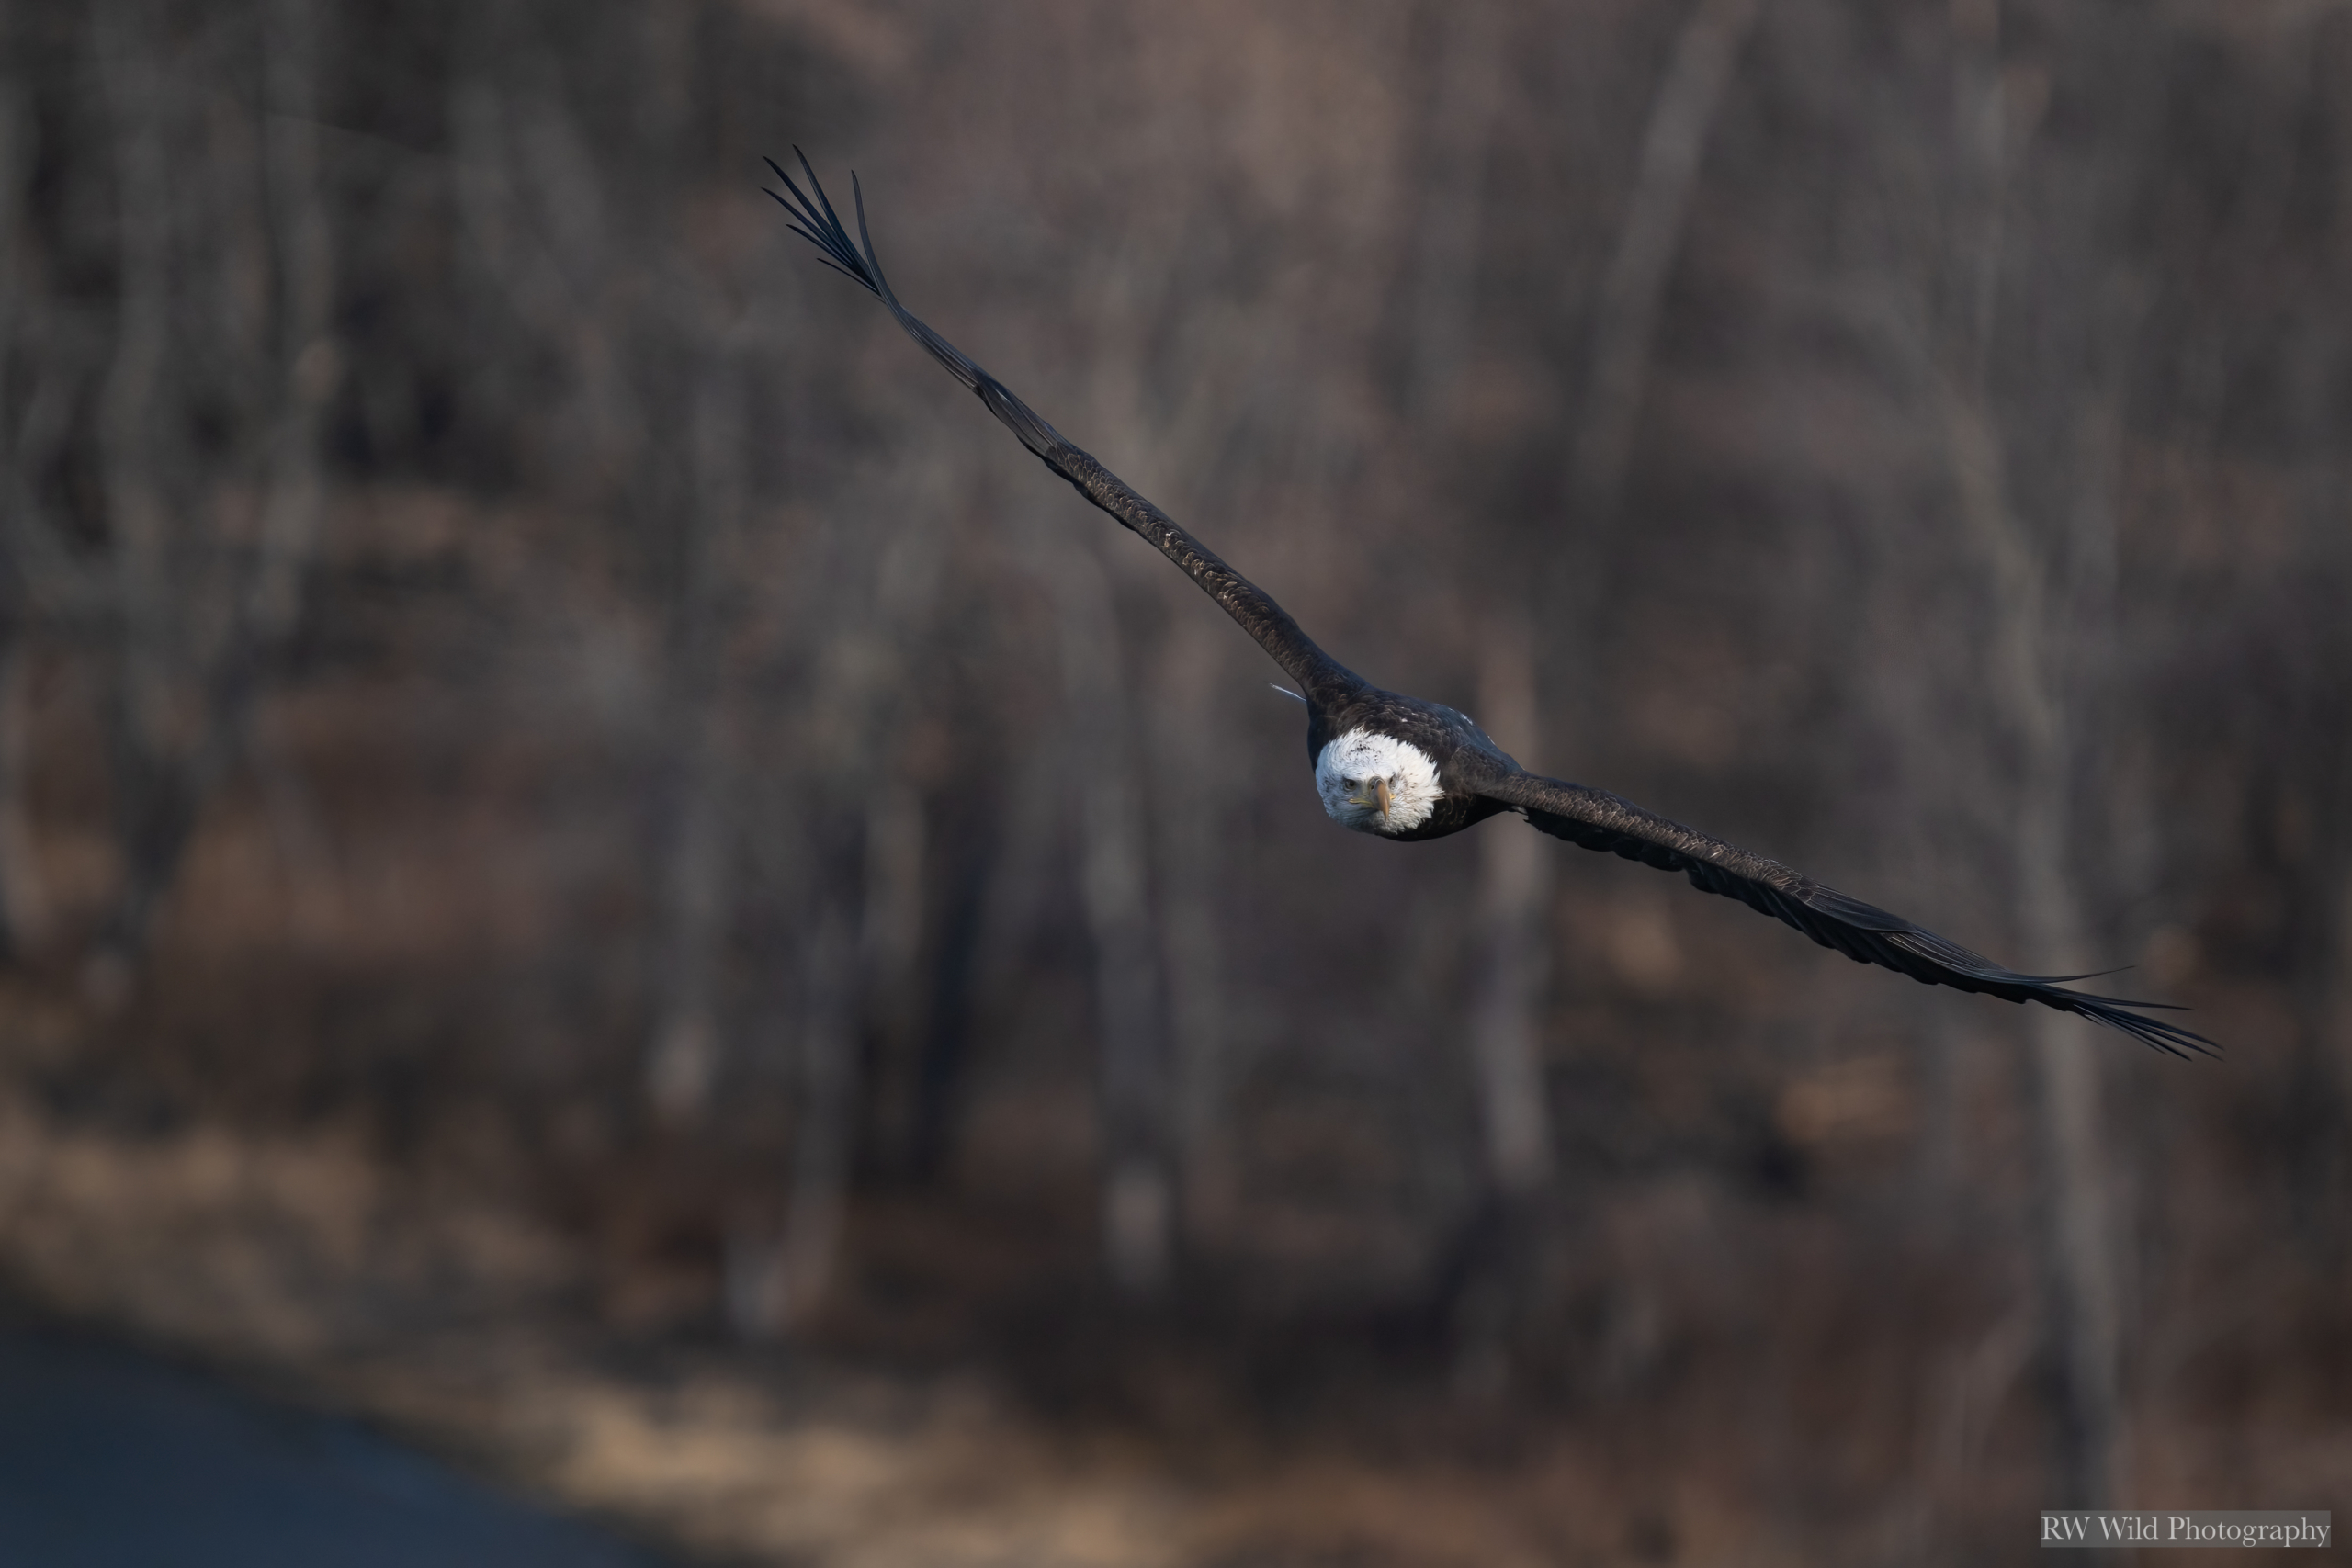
[1397, 767]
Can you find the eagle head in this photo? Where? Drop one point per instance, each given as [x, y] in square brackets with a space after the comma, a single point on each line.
[1376, 784]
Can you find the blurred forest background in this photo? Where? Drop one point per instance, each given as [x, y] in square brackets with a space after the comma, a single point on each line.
[595, 861]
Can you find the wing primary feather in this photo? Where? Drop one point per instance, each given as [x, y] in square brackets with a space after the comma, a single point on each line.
[1326, 682]
[843, 270]
[1595, 820]
[832, 217]
[810, 223]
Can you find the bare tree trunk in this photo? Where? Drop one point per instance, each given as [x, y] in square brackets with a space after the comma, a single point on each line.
[24, 904]
[531, 205]
[861, 961]
[302, 242]
[311, 370]
[1514, 886]
[44, 373]
[2028, 680]
[895, 1002]
[820, 1157]
[890, 947]
[148, 712]
[2079, 1244]
[2332, 1038]
[685, 1051]
[2076, 1244]
[1187, 810]
[1507, 1037]
[1160, 982]
[777, 1281]
[1465, 100]
[24, 896]
[2077, 1240]
[1138, 1190]
[1626, 318]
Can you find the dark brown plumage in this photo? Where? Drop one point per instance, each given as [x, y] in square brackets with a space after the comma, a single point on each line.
[1474, 778]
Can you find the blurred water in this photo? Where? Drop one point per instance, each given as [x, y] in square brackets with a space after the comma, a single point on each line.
[109, 1459]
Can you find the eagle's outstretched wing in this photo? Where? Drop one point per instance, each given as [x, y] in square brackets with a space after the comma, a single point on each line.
[1320, 676]
[1598, 820]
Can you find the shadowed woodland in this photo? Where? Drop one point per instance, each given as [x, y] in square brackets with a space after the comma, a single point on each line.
[595, 861]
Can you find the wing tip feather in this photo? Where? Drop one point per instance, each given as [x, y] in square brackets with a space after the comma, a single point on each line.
[817, 222]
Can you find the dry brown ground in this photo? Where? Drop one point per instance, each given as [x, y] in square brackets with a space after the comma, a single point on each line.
[312, 1264]
[298, 1261]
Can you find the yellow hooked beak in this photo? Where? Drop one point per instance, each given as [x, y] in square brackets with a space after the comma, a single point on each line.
[1371, 792]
